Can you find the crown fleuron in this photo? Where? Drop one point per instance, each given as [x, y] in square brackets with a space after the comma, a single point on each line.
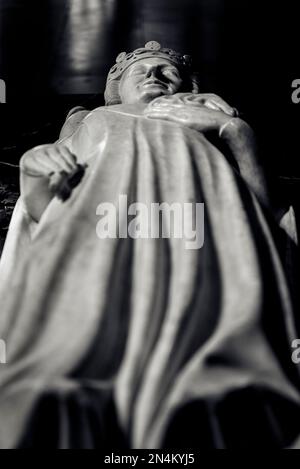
[151, 49]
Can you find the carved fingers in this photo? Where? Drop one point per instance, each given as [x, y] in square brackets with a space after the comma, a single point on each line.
[208, 100]
[44, 160]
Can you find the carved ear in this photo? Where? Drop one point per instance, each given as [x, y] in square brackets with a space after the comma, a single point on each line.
[195, 79]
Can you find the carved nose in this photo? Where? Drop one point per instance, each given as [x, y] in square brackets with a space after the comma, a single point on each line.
[151, 73]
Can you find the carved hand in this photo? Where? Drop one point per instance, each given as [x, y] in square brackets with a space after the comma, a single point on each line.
[202, 112]
[42, 169]
[45, 160]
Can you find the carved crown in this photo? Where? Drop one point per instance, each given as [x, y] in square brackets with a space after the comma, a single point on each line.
[151, 49]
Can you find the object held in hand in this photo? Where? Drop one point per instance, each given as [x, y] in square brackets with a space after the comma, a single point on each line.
[63, 183]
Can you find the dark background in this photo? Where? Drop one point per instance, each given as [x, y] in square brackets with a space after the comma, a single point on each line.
[56, 53]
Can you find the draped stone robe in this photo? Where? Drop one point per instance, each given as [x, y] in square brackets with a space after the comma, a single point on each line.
[142, 342]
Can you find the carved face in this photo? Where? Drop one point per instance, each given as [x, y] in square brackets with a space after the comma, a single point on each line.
[148, 79]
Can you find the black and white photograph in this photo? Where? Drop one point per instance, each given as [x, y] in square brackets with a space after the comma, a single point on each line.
[149, 221]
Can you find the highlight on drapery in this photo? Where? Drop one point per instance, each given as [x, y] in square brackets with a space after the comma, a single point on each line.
[2, 352]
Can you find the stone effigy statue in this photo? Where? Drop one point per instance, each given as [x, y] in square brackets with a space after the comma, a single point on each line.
[139, 342]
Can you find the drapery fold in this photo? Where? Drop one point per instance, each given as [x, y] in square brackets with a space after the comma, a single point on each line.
[155, 327]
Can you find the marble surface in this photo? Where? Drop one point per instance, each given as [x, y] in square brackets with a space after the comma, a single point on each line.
[55, 54]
